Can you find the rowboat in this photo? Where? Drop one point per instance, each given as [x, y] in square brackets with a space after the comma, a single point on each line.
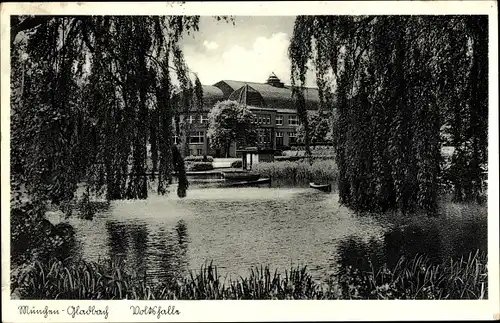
[240, 176]
[322, 187]
[251, 183]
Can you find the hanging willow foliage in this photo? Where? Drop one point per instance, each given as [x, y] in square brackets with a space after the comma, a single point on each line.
[90, 96]
[400, 85]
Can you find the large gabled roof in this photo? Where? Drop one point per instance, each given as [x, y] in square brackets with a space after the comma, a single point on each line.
[272, 93]
[248, 96]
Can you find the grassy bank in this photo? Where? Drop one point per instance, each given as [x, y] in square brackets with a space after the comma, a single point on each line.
[409, 279]
[299, 171]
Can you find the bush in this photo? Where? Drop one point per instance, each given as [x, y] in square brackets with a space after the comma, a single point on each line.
[301, 157]
[237, 164]
[208, 159]
[34, 237]
[200, 166]
[288, 158]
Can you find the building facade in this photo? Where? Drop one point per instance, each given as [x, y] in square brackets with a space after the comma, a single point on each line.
[271, 102]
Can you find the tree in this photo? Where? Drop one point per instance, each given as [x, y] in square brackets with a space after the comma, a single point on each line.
[320, 129]
[230, 121]
[398, 82]
[89, 95]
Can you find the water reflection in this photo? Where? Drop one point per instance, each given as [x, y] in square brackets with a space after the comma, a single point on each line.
[411, 241]
[438, 240]
[181, 229]
[158, 255]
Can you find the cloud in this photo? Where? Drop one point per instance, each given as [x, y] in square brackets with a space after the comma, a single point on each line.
[210, 45]
[253, 63]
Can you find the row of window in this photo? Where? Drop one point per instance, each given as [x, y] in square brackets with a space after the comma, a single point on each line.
[265, 138]
[266, 119]
[192, 119]
[292, 120]
[260, 119]
[198, 137]
[203, 119]
[263, 119]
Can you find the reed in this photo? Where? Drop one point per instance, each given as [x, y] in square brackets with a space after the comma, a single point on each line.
[409, 279]
[417, 278]
[299, 171]
[93, 281]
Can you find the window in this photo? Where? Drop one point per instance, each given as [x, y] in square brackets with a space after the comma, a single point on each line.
[203, 118]
[191, 119]
[176, 139]
[279, 120]
[264, 136]
[264, 119]
[199, 152]
[292, 137]
[279, 139]
[197, 137]
[260, 133]
[293, 120]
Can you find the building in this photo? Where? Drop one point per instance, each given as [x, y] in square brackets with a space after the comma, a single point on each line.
[271, 102]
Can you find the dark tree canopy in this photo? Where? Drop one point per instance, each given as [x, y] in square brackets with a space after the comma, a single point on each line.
[400, 83]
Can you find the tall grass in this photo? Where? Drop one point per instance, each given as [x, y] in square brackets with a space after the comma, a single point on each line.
[299, 171]
[409, 279]
[416, 278]
[84, 280]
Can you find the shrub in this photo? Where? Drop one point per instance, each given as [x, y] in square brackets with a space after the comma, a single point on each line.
[34, 237]
[288, 158]
[208, 159]
[237, 164]
[200, 166]
[301, 157]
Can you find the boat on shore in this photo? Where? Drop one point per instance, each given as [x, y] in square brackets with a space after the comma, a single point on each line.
[240, 176]
[321, 187]
[257, 182]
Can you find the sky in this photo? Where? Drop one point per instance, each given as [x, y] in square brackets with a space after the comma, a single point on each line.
[248, 51]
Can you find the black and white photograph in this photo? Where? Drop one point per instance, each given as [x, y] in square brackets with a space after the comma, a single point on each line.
[185, 157]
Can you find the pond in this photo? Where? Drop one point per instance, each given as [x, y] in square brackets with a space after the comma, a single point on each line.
[165, 237]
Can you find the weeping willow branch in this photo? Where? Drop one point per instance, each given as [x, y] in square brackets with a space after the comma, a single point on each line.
[95, 124]
[399, 80]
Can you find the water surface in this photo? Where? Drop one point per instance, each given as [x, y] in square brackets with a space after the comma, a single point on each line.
[165, 237]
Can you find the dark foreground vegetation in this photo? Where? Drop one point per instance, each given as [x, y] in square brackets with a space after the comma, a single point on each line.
[414, 278]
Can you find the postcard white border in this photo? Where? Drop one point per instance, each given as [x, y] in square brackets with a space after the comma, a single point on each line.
[222, 311]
